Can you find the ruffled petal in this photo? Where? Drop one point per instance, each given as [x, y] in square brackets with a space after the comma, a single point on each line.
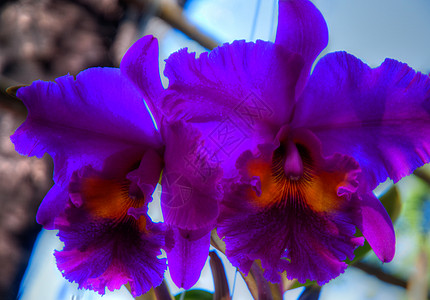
[140, 65]
[187, 258]
[105, 245]
[252, 83]
[190, 183]
[83, 121]
[303, 30]
[377, 227]
[381, 116]
[302, 226]
[52, 206]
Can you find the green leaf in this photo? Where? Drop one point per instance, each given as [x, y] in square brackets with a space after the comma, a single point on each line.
[360, 252]
[195, 295]
[392, 203]
[307, 283]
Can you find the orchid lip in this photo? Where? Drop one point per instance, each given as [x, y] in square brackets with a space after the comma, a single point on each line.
[293, 164]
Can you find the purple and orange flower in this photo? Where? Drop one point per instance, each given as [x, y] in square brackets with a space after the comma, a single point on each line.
[301, 152]
[108, 159]
[298, 155]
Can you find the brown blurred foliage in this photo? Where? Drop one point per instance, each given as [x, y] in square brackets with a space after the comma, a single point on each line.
[45, 39]
[48, 38]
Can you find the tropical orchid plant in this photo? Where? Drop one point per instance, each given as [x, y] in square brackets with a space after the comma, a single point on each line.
[272, 163]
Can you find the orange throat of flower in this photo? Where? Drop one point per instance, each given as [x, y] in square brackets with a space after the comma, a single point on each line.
[295, 178]
[110, 199]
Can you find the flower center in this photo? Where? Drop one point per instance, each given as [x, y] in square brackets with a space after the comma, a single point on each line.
[283, 179]
[108, 199]
[294, 176]
[293, 164]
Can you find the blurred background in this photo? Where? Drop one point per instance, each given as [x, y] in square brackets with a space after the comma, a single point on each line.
[44, 39]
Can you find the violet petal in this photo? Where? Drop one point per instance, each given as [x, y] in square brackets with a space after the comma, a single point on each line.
[190, 182]
[83, 121]
[380, 116]
[140, 64]
[187, 258]
[377, 227]
[106, 244]
[301, 29]
[52, 206]
[302, 226]
[250, 82]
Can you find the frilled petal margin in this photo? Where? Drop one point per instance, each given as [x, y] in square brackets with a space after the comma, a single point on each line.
[302, 226]
[250, 82]
[108, 238]
[83, 121]
[380, 116]
[303, 30]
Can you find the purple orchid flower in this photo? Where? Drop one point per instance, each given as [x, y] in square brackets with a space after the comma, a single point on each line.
[301, 153]
[108, 158]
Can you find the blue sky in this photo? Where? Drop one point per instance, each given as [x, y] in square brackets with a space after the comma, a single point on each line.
[371, 30]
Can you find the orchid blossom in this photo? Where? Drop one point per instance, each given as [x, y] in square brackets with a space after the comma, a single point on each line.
[281, 160]
[301, 151]
[108, 158]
